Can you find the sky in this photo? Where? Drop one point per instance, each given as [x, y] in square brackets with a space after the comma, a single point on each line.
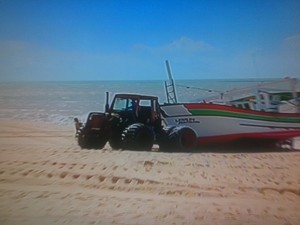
[55, 40]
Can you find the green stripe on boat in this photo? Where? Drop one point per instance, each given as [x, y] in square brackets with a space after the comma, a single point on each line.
[209, 112]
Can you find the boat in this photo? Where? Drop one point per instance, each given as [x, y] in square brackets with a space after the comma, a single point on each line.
[253, 113]
[216, 123]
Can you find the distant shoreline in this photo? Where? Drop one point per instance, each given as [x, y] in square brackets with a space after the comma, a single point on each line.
[250, 79]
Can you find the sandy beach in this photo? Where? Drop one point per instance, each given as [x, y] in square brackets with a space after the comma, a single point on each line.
[45, 178]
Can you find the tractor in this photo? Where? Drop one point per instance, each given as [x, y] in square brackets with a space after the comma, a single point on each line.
[132, 122]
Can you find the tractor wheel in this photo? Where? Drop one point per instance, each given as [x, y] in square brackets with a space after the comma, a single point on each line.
[115, 142]
[81, 138]
[163, 138]
[81, 141]
[90, 142]
[99, 143]
[182, 138]
[138, 137]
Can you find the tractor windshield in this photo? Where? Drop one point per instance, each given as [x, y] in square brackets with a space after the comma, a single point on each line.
[124, 104]
[120, 104]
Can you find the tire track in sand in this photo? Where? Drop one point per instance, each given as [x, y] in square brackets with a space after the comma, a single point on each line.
[101, 178]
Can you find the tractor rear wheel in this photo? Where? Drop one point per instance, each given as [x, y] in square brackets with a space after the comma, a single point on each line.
[138, 137]
[90, 141]
[115, 141]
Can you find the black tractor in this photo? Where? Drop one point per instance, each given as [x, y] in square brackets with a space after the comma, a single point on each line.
[132, 122]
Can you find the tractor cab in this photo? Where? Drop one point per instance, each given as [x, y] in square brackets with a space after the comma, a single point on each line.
[136, 109]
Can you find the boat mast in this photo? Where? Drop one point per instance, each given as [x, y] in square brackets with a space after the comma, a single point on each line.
[293, 84]
[170, 86]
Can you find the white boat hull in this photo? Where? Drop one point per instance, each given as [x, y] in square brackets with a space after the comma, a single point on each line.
[218, 123]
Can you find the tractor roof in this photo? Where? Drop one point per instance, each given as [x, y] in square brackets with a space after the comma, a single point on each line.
[135, 96]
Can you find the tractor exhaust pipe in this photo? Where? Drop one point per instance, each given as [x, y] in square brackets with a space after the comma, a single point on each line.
[106, 102]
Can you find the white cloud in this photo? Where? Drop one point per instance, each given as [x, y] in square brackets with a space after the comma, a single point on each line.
[183, 45]
[26, 61]
[279, 61]
[12, 52]
[293, 41]
[291, 46]
[189, 58]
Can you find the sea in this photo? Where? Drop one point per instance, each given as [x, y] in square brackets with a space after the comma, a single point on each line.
[59, 102]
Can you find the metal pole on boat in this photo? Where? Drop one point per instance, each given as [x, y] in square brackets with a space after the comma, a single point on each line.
[170, 88]
[293, 83]
[258, 100]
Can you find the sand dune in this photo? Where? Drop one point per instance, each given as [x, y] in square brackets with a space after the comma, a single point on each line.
[45, 178]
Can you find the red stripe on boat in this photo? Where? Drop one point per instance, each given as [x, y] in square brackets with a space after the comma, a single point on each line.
[276, 136]
[239, 110]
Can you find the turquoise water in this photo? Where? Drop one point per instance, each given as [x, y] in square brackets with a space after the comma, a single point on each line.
[60, 102]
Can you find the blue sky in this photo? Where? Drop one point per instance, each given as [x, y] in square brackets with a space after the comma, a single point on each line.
[120, 40]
